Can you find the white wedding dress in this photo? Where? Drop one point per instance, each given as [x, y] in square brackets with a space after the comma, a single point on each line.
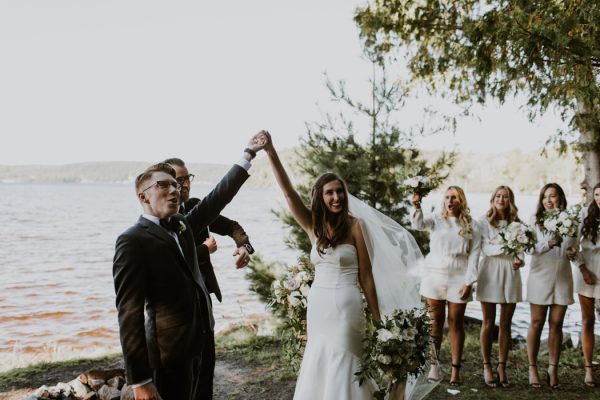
[336, 327]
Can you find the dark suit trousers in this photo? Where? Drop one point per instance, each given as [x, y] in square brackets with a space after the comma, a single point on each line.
[179, 383]
[207, 370]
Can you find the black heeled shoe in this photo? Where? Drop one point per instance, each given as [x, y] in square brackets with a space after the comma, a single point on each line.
[504, 383]
[534, 385]
[455, 383]
[556, 385]
[590, 384]
[492, 383]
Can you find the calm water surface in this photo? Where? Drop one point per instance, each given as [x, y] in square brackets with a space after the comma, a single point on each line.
[57, 243]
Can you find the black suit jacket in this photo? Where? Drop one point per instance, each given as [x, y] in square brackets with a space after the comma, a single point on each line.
[151, 274]
[222, 226]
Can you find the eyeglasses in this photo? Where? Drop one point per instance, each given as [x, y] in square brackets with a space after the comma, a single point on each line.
[164, 185]
[185, 178]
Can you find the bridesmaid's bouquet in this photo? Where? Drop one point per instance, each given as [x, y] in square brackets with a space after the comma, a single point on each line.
[290, 294]
[395, 347]
[517, 238]
[562, 222]
[419, 184]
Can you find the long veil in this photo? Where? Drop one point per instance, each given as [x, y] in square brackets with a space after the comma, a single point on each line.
[395, 259]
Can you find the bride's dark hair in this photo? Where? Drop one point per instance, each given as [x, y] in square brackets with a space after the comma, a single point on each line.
[592, 220]
[322, 217]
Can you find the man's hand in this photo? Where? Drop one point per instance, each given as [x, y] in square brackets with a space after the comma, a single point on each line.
[146, 392]
[464, 292]
[211, 243]
[258, 141]
[243, 257]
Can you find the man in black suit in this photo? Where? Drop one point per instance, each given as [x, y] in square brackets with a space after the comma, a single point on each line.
[206, 245]
[163, 305]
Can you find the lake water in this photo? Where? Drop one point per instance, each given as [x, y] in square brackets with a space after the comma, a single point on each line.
[57, 243]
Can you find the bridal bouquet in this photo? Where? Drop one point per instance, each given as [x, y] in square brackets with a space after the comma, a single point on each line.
[395, 347]
[517, 238]
[562, 222]
[290, 296]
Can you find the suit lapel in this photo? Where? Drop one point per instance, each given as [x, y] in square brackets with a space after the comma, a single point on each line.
[160, 233]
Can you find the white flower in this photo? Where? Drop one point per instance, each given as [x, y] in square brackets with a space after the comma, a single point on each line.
[304, 289]
[292, 284]
[182, 227]
[550, 224]
[384, 359]
[293, 300]
[383, 335]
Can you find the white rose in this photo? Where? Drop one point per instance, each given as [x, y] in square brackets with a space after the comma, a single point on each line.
[304, 289]
[383, 335]
[292, 284]
[567, 223]
[522, 238]
[550, 225]
[384, 359]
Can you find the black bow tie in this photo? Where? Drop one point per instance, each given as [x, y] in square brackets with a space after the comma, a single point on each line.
[172, 225]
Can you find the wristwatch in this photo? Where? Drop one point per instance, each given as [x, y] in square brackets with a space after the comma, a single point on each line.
[248, 248]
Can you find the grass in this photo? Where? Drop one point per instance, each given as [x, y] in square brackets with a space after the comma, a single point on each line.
[252, 367]
[571, 374]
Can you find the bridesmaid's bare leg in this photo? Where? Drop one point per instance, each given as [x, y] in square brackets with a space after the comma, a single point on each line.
[437, 312]
[456, 323]
[538, 318]
[507, 311]
[587, 337]
[485, 340]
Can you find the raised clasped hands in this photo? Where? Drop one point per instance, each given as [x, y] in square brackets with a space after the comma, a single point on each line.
[258, 141]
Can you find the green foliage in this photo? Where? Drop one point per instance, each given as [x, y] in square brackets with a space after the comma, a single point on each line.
[473, 50]
[373, 171]
[261, 276]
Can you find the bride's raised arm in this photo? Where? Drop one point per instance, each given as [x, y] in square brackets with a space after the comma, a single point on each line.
[300, 212]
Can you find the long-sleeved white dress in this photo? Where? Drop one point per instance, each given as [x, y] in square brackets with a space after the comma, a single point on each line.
[498, 282]
[453, 259]
[589, 255]
[550, 278]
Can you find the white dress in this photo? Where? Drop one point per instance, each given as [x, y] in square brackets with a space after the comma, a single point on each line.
[550, 279]
[335, 330]
[590, 256]
[498, 282]
[453, 259]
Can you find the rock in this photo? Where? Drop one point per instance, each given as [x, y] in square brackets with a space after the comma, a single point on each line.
[96, 384]
[42, 391]
[53, 392]
[65, 389]
[117, 382]
[105, 374]
[90, 396]
[79, 389]
[109, 393]
[127, 393]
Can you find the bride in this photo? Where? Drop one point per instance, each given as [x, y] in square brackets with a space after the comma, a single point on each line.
[354, 247]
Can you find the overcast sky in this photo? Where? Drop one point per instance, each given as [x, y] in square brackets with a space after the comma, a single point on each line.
[85, 80]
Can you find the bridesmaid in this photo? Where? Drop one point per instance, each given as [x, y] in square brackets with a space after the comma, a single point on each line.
[586, 280]
[451, 269]
[549, 286]
[499, 282]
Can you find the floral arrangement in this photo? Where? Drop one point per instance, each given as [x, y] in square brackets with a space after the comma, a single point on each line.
[420, 185]
[517, 238]
[289, 300]
[395, 347]
[562, 222]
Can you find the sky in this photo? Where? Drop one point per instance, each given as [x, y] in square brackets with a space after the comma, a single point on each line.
[124, 80]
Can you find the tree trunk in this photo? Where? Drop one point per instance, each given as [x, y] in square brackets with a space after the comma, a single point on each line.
[590, 156]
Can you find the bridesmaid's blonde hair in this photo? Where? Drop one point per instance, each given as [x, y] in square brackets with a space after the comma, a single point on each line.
[511, 211]
[463, 219]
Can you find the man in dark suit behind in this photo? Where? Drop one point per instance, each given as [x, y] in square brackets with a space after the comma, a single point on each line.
[156, 272]
[206, 245]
